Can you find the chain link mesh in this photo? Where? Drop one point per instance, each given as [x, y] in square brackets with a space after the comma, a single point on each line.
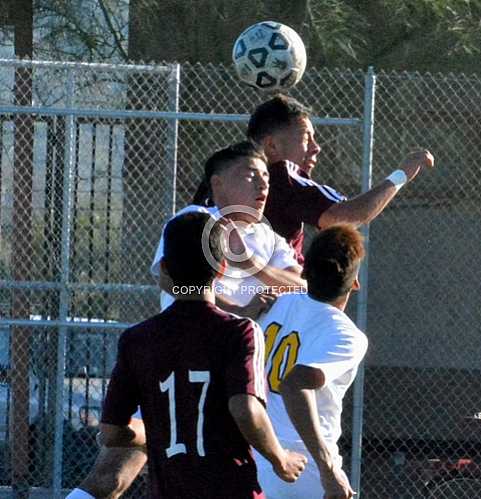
[83, 201]
[422, 383]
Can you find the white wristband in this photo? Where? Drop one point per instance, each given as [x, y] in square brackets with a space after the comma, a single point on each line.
[398, 178]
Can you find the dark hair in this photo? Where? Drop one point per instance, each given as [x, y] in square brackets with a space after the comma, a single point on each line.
[184, 256]
[273, 115]
[332, 262]
[222, 160]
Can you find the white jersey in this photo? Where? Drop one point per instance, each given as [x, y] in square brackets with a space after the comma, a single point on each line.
[303, 331]
[260, 240]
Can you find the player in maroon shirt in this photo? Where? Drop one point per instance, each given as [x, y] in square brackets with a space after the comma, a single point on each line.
[283, 127]
[197, 374]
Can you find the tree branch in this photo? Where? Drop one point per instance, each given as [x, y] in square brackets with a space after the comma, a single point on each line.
[115, 34]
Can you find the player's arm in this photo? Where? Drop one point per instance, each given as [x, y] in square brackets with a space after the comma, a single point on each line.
[367, 206]
[246, 393]
[288, 278]
[256, 427]
[297, 391]
[117, 427]
[131, 435]
[259, 304]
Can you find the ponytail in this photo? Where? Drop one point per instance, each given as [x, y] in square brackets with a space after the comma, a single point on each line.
[202, 195]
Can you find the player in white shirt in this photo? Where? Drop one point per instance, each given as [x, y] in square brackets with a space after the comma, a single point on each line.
[313, 351]
[239, 183]
[238, 286]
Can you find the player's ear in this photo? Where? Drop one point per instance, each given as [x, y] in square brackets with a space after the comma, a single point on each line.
[270, 146]
[215, 182]
[356, 285]
[163, 267]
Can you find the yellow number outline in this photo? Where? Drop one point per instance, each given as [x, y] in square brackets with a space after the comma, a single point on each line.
[281, 363]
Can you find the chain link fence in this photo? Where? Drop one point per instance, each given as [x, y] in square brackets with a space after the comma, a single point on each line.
[93, 161]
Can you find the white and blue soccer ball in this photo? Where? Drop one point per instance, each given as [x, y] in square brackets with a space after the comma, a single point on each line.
[269, 56]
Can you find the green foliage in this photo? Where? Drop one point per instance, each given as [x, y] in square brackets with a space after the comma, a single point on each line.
[335, 34]
[431, 35]
[426, 35]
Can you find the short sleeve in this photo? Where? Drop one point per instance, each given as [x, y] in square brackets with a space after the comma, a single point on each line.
[122, 396]
[309, 200]
[245, 367]
[284, 255]
[334, 354]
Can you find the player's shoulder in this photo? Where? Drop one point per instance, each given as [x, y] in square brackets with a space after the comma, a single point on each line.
[287, 300]
[286, 307]
[302, 182]
[197, 208]
[340, 325]
[235, 329]
[264, 236]
[237, 322]
[288, 174]
[311, 315]
[141, 331]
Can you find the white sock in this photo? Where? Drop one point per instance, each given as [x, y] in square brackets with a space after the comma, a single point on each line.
[79, 494]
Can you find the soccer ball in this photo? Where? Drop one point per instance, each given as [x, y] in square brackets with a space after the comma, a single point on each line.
[269, 56]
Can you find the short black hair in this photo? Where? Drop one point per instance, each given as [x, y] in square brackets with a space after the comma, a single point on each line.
[184, 255]
[332, 262]
[275, 114]
[222, 160]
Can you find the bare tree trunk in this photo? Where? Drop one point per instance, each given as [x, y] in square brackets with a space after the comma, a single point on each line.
[22, 16]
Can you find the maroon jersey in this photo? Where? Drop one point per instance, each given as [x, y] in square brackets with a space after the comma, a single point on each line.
[294, 200]
[181, 367]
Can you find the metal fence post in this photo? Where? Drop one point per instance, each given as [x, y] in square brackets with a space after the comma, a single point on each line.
[172, 137]
[64, 290]
[361, 313]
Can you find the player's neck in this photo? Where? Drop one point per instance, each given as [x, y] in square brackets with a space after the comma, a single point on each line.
[206, 294]
[340, 303]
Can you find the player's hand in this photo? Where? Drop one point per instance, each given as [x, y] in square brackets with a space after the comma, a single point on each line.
[234, 249]
[260, 304]
[336, 484]
[291, 467]
[415, 161]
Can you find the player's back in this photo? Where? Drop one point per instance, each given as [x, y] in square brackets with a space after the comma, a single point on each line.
[188, 361]
[300, 330]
